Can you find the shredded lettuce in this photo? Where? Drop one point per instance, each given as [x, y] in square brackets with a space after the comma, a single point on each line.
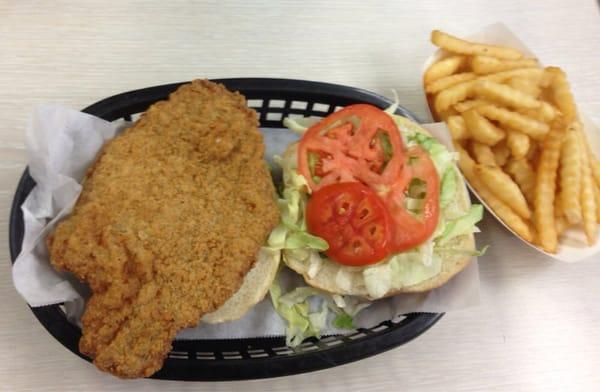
[448, 187]
[343, 321]
[463, 225]
[301, 124]
[301, 323]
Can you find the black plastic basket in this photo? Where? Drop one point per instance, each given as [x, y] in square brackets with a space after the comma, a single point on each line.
[235, 359]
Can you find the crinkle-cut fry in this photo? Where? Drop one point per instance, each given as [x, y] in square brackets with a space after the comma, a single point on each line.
[448, 81]
[505, 95]
[443, 68]
[525, 85]
[558, 211]
[469, 104]
[501, 153]
[545, 113]
[588, 200]
[486, 65]
[570, 177]
[508, 216]
[504, 188]
[451, 95]
[561, 93]
[561, 225]
[597, 198]
[501, 77]
[481, 129]
[535, 129]
[545, 188]
[594, 163]
[533, 154]
[483, 153]
[518, 143]
[444, 115]
[524, 175]
[457, 127]
[460, 46]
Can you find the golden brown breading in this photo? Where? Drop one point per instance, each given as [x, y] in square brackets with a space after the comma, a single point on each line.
[170, 220]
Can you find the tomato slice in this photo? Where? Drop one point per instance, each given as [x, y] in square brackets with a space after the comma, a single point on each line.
[357, 143]
[362, 144]
[411, 230]
[353, 220]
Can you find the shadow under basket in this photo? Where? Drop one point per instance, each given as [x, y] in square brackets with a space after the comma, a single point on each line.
[249, 358]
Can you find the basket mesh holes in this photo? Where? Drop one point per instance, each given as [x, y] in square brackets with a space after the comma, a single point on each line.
[238, 356]
[62, 308]
[274, 116]
[338, 108]
[295, 115]
[178, 355]
[399, 318]
[379, 328]
[283, 350]
[312, 347]
[205, 355]
[259, 355]
[357, 336]
[255, 103]
[299, 105]
[332, 343]
[320, 107]
[276, 103]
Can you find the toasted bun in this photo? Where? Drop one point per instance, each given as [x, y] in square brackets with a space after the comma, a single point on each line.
[325, 278]
[254, 288]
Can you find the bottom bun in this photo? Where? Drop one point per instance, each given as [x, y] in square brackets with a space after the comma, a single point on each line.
[254, 288]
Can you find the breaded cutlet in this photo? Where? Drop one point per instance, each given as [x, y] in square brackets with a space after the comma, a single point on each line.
[170, 219]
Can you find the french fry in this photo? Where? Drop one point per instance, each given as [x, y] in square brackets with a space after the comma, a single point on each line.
[525, 85]
[524, 175]
[533, 154]
[595, 165]
[448, 81]
[504, 188]
[587, 197]
[501, 77]
[597, 198]
[508, 216]
[570, 177]
[469, 104]
[444, 115]
[504, 95]
[485, 65]
[561, 92]
[545, 113]
[535, 129]
[443, 68]
[457, 127]
[481, 129]
[457, 45]
[501, 153]
[561, 225]
[483, 154]
[451, 95]
[545, 188]
[518, 143]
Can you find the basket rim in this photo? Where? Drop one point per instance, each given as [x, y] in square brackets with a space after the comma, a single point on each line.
[54, 321]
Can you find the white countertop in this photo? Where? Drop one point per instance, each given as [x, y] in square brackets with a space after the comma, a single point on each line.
[538, 325]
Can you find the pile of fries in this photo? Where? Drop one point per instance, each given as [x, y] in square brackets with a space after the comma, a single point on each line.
[521, 143]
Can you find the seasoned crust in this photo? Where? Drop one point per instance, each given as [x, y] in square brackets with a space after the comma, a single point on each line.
[169, 221]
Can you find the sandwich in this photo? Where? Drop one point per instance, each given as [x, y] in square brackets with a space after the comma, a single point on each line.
[371, 206]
